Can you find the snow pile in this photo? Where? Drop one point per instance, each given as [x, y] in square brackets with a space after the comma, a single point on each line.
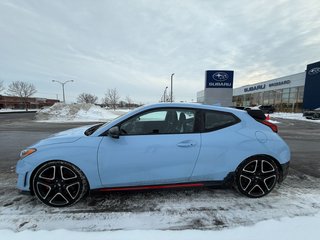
[306, 227]
[293, 116]
[61, 112]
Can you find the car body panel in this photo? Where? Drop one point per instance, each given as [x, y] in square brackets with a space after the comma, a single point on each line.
[147, 159]
[82, 153]
[156, 159]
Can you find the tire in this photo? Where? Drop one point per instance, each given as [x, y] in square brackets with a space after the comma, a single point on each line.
[256, 177]
[59, 184]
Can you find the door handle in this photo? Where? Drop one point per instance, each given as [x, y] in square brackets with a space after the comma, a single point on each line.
[186, 144]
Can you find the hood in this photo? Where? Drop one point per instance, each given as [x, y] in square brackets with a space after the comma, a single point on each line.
[67, 136]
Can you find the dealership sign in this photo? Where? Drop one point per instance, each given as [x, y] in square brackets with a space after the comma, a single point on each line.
[263, 86]
[311, 99]
[219, 79]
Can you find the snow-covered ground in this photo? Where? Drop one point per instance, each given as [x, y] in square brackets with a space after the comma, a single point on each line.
[306, 227]
[292, 116]
[61, 112]
[200, 208]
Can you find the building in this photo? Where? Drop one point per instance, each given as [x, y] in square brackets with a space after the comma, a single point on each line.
[293, 93]
[284, 93]
[32, 103]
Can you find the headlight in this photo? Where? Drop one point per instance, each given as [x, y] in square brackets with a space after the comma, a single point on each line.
[27, 152]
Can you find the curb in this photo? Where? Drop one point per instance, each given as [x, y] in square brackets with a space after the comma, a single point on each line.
[18, 112]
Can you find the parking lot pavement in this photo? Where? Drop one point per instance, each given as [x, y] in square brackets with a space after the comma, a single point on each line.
[304, 141]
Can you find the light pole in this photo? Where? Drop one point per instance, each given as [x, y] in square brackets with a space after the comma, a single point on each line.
[62, 84]
[164, 94]
[171, 87]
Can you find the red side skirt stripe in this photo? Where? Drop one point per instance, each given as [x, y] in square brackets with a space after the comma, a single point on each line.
[152, 187]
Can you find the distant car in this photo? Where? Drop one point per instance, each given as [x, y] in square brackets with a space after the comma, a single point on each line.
[313, 114]
[166, 145]
[265, 108]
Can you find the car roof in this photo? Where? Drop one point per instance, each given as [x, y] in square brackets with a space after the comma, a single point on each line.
[190, 105]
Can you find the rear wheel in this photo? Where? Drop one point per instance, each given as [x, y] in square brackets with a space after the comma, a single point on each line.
[59, 184]
[256, 177]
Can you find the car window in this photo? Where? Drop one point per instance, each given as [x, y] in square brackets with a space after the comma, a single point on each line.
[164, 121]
[214, 120]
[154, 116]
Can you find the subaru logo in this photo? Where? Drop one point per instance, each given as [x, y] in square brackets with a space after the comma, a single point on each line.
[220, 76]
[314, 71]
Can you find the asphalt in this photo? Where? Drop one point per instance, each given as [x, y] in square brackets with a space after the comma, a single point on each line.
[18, 131]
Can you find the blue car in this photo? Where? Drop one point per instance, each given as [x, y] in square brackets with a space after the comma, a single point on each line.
[165, 145]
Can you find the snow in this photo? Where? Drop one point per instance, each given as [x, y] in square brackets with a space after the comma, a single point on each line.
[273, 121]
[180, 209]
[61, 112]
[305, 227]
[292, 116]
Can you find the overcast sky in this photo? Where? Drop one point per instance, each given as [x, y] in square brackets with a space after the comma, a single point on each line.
[135, 45]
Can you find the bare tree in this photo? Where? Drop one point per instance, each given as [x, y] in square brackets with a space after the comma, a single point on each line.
[23, 90]
[87, 98]
[129, 101]
[112, 98]
[1, 86]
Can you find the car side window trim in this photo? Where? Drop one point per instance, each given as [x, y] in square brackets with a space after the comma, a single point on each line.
[196, 127]
[203, 119]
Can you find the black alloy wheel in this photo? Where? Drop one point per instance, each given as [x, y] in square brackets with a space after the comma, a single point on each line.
[256, 177]
[59, 184]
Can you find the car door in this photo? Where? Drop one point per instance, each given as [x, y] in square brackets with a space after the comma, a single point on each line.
[155, 147]
[221, 144]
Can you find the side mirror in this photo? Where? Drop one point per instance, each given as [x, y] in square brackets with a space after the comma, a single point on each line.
[114, 132]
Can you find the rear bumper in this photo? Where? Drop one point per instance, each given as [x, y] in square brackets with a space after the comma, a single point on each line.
[285, 171]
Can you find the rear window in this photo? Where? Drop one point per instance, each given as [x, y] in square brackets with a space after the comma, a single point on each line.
[214, 120]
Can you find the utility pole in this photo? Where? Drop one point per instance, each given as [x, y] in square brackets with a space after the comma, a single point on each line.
[164, 94]
[171, 97]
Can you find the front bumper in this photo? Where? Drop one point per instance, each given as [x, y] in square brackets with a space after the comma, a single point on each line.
[285, 171]
[23, 170]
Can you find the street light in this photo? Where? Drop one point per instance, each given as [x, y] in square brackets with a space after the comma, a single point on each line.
[62, 84]
[164, 94]
[171, 87]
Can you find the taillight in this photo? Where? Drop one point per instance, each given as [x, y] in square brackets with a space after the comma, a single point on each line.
[270, 125]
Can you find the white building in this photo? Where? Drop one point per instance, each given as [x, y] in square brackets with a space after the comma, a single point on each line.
[284, 93]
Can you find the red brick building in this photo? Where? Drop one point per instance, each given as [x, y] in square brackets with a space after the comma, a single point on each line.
[32, 102]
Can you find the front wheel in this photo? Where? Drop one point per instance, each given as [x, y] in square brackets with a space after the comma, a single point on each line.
[59, 184]
[256, 177]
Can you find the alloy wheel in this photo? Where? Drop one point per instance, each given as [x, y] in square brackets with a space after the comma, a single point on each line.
[59, 184]
[257, 177]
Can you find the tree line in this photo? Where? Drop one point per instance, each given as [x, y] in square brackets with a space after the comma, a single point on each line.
[20, 89]
[111, 100]
[24, 90]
